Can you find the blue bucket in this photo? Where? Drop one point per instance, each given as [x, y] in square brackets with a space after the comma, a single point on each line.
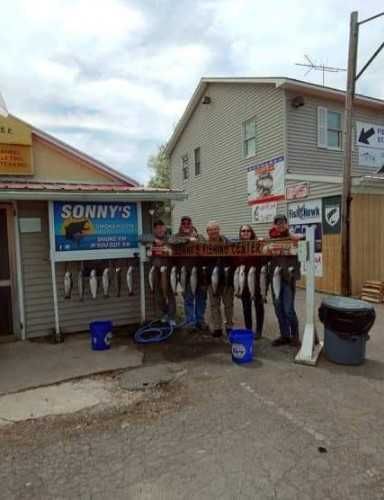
[101, 335]
[242, 345]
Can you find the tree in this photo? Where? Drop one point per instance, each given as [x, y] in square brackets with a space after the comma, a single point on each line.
[161, 172]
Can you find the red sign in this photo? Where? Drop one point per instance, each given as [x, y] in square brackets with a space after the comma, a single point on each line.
[297, 191]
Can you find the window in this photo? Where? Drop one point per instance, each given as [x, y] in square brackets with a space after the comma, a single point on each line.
[329, 129]
[185, 167]
[249, 138]
[197, 161]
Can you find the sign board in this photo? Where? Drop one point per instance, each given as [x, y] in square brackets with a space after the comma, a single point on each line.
[302, 229]
[93, 230]
[264, 213]
[318, 266]
[332, 215]
[370, 135]
[370, 157]
[297, 191]
[305, 212]
[30, 224]
[14, 131]
[266, 181]
[15, 147]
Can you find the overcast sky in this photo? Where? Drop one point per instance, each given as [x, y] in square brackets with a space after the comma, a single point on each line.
[113, 77]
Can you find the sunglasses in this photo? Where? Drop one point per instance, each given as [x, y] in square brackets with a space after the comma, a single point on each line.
[245, 231]
[186, 222]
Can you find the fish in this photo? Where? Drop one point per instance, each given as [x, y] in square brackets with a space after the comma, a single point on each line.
[68, 284]
[80, 284]
[105, 281]
[130, 280]
[215, 278]
[226, 276]
[173, 280]
[193, 280]
[236, 283]
[242, 280]
[276, 282]
[183, 279]
[151, 278]
[251, 282]
[118, 281]
[93, 283]
[204, 277]
[264, 283]
[164, 281]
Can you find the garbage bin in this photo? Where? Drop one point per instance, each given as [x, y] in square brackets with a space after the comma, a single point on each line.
[346, 325]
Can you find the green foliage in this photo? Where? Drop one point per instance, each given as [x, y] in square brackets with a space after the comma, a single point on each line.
[160, 167]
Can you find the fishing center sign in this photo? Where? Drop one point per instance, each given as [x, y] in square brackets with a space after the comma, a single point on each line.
[93, 230]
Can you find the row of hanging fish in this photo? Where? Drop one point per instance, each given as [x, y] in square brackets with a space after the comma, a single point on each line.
[175, 279]
[108, 278]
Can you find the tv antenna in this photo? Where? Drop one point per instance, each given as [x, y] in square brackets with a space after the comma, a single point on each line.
[319, 67]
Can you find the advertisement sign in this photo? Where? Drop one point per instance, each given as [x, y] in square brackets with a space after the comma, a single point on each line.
[297, 191]
[305, 212]
[15, 147]
[302, 228]
[264, 213]
[370, 157]
[370, 135]
[266, 181]
[318, 266]
[332, 215]
[94, 230]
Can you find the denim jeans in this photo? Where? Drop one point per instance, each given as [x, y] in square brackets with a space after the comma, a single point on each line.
[194, 306]
[285, 310]
[247, 311]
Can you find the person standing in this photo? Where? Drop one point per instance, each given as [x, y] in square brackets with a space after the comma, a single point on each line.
[247, 233]
[224, 293]
[284, 304]
[194, 305]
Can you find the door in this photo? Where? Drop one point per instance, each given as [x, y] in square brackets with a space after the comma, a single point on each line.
[6, 327]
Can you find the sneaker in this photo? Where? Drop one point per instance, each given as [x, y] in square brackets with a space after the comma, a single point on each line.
[217, 333]
[295, 342]
[281, 341]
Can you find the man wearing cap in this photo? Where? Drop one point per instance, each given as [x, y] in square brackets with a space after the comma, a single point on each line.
[285, 303]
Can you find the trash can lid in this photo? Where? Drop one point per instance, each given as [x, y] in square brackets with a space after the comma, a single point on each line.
[347, 304]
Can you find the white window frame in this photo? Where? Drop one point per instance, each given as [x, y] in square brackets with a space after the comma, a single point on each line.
[322, 129]
[247, 139]
[185, 167]
[197, 162]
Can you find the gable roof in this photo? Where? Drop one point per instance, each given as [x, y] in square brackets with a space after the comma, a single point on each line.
[278, 82]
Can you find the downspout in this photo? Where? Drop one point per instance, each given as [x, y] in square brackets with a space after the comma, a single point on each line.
[19, 273]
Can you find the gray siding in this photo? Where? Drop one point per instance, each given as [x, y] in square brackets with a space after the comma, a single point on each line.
[304, 156]
[220, 192]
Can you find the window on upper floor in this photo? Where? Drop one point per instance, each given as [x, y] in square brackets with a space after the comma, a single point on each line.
[197, 156]
[185, 167]
[329, 129]
[249, 138]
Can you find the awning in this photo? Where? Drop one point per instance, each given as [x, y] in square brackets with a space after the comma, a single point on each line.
[369, 184]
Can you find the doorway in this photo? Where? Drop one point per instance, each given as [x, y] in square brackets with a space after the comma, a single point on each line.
[6, 314]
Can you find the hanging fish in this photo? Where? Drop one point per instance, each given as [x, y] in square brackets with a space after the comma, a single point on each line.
[242, 280]
[105, 281]
[183, 279]
[215, 278]
[68, 284]
[173, 280]
[151, 278]
[227, 277]
[93, 283]
[276, 282]
[236, 283]
[80, 284]
[193, 280]
[130, 280]
[251, 282]
[264, 283]
[164, 281]
[118, 281]
[204, 277]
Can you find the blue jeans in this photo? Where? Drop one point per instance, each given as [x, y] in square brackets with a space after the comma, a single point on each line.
[194, 306]
[285, 310]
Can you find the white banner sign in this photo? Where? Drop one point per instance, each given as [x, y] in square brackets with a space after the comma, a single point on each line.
[370, 157]
[264, 213]
[298, 191]
[305, 212]
[318, 266]
[370, 135]
[266, 181]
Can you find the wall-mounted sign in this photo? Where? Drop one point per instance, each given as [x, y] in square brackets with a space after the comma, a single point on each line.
[302, 229]
[14, 131]
[15, 159]
[318, 266]
[370, 157]
[266, 181]
[370, 135]
[30, 224]
[93, 230]
[297, 191]
[332, 215]
[264, 213]
[305, 212]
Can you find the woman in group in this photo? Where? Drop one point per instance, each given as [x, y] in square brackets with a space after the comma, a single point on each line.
[247, 233]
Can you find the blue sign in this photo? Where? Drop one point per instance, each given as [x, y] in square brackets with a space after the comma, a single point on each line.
[95, 226]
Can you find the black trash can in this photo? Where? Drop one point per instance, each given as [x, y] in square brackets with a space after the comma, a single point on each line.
[346, 325]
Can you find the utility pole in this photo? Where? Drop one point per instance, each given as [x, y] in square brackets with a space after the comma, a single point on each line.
[347, 167]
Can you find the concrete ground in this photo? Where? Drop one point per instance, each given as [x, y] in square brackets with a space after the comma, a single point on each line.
[268, 430]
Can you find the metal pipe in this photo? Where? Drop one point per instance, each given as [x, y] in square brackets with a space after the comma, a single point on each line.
[142, 257]
[19, 273]
[53, 268]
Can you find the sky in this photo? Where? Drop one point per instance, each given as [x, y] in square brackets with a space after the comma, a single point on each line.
[112, 78]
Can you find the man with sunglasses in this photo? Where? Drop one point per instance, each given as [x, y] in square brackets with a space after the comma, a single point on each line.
[194, 306]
